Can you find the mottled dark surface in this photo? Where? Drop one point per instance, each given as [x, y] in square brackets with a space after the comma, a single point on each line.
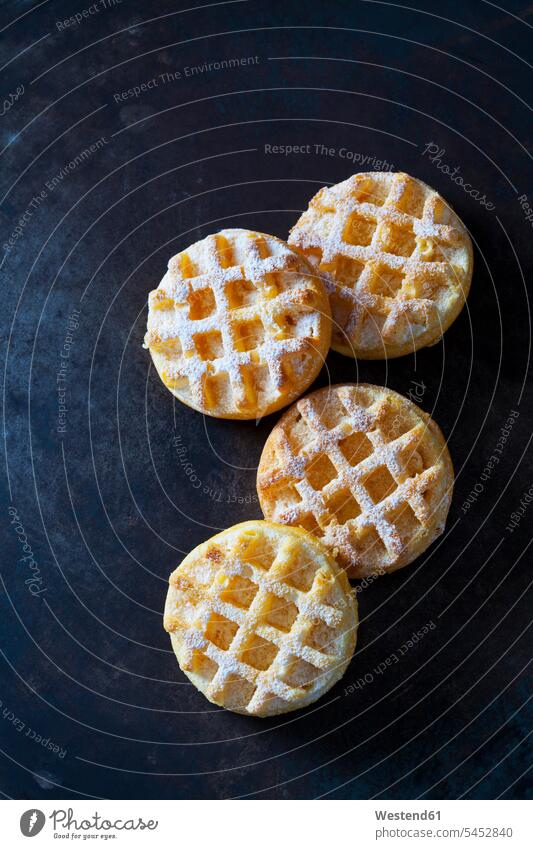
[109, 506]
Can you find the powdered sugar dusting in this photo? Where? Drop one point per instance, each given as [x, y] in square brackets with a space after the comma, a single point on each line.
[205, 329]
[418, 250]
[324, 601]
[289, 469]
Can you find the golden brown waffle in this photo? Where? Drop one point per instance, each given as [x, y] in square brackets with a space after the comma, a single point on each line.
[239, 325]
[364, 469]
[396, 258]
[261, 619]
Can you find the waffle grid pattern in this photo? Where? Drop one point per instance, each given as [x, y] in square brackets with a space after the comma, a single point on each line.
[267, 662]
[375, 481]
[235, 320]
[396, 257]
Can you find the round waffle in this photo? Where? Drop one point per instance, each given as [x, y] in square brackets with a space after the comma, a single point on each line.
[239, 326]
[396, 259]
[364, 469]
[261, 619]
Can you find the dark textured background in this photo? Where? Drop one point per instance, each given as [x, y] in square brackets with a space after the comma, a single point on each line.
[108, 508]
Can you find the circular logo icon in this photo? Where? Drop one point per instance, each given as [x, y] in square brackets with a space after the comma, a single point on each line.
[32, 822]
